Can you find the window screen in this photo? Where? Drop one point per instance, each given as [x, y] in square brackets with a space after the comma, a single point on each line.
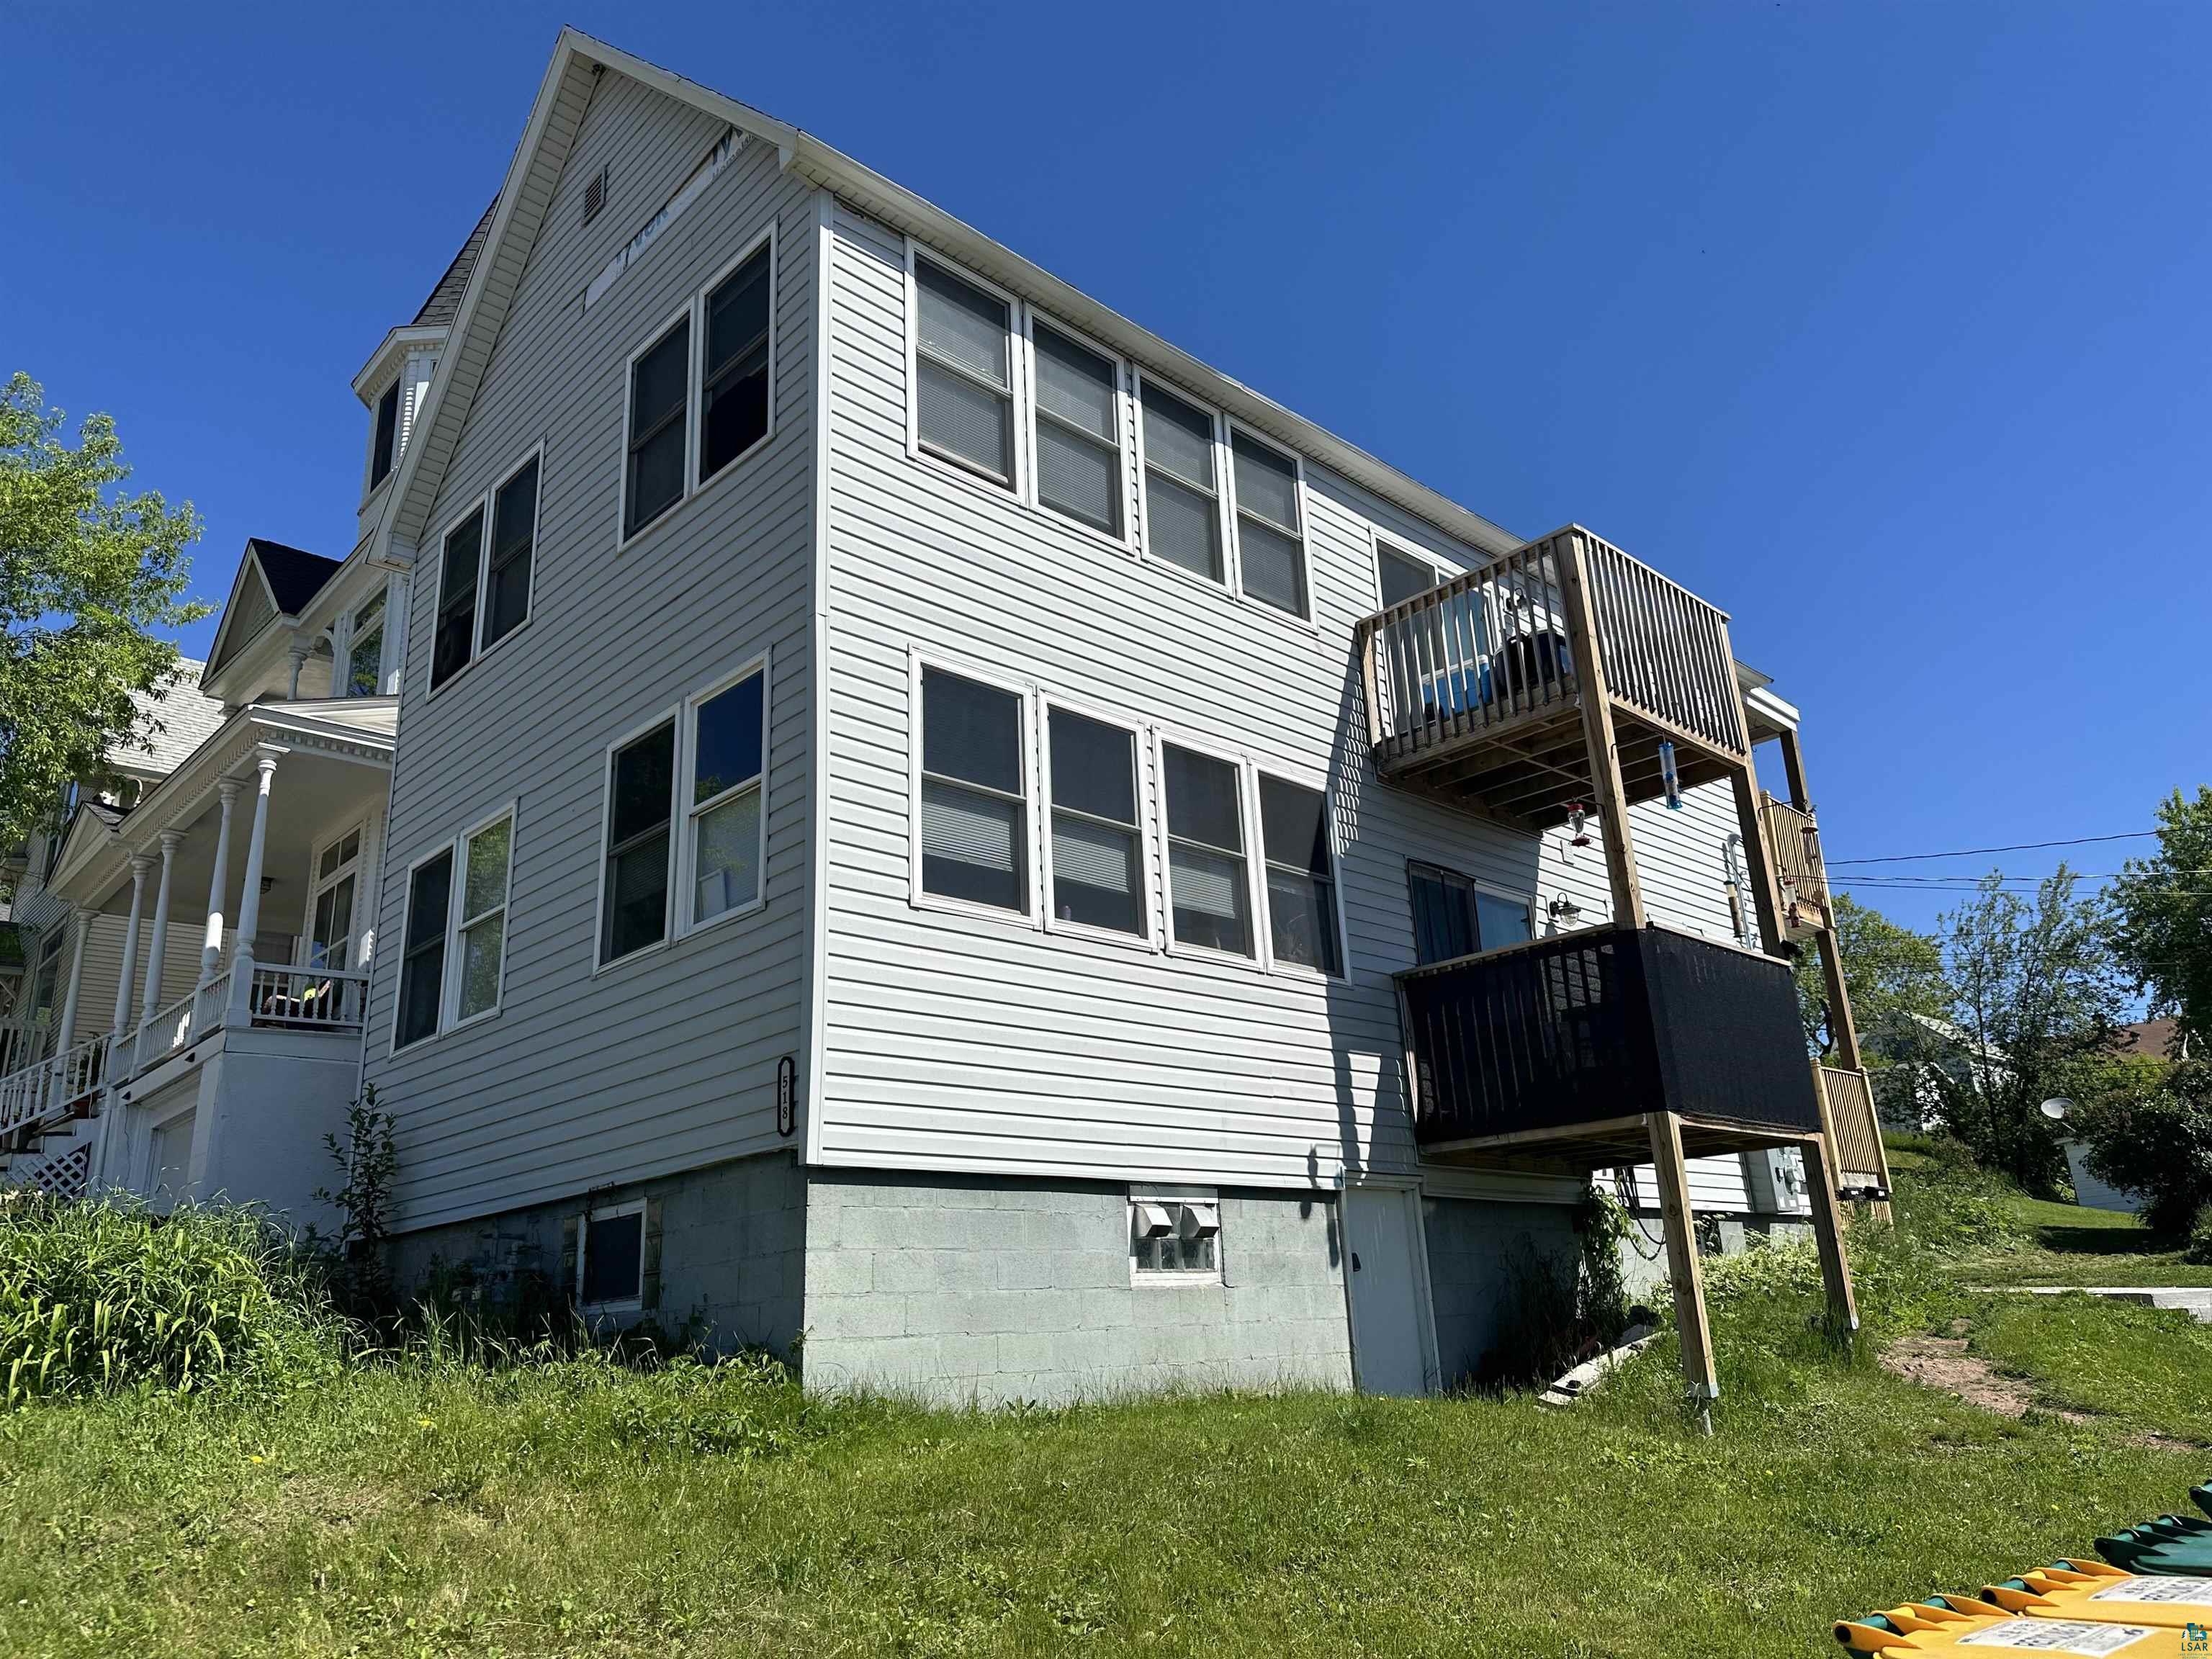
[1270, 548]
[1079, 445]
[659, 390]
[1097, 856]
[733, 399]
[422, 963]
[1453, 917]
[1182, 525]
[1301, 875]
[963, 393]
[634, 905]
[1206, 883]
[723, 805]
[483, 915]
[388, 435]
[456, 637]
[514, 530]
[975, 821]
[1401, 577]
[614, 1258]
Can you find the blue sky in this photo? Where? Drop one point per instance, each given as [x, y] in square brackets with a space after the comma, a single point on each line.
[1883, 327]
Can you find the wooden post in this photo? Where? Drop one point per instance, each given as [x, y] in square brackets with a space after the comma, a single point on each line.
[1684, 1273]
[1828, 1230]
[1612, 802]
[1793, 767]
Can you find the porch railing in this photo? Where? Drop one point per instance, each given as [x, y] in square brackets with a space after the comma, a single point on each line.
[51, 1087]
[1857, 1131]
[1794, 839]
[172, 1026]
[314, 999]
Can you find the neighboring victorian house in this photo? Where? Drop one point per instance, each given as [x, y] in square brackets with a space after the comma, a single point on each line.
[926, 817]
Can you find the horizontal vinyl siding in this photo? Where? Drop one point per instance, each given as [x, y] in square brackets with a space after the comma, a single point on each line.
[962, 1042]
[667, 1061]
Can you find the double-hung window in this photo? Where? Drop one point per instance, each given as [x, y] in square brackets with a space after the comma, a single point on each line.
[1301, 877]
[1078, 430]
[483, 574]
[1182, 506]
[686, 818]
[974, 793]
[964, 372]
[1098, 850]
[1271, 555]
[1453, 917]
[658, 435]
[453, 953]
[733, 374]
[1208, 883]
[365, 651]
[1399, 576]
[384, 447]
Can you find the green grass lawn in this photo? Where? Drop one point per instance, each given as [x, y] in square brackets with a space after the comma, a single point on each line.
[2147, 1368]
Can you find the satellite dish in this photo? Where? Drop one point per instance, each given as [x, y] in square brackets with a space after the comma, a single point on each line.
[2056, 1109]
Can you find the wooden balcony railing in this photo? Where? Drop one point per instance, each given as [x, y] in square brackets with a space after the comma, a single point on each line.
[1552, 1051]
[1794, 839]
[1475, 687]
[1860, 1161]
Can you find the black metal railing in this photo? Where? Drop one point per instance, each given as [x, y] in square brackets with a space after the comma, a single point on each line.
[1601, 1024]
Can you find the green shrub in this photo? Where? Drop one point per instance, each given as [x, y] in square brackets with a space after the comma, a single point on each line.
[2200, 1237]
[2157, 1142]
[102, 1295]
[1945, 1202]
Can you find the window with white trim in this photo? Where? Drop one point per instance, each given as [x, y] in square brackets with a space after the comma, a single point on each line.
[364, 674]
[329, 928]
[483, 573]
[657, 436]
[1175, 1238]
[1097, 848]
[1400, 576]
[734, 371]
[1270, 553]
[1208, 886]
[453, 948]
[1302, 920]
[686, 825]
[1078, 430]
[1183, 497]
[384, 444]
[611, 1256]
[974, 793]
[963, 396]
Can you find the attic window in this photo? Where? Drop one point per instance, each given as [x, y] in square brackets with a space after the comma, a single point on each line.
[595, 195]
[1177, 1239]
[387, 435]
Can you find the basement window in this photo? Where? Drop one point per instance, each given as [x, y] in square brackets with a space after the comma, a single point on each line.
[1175, 1239]
[611, 1257]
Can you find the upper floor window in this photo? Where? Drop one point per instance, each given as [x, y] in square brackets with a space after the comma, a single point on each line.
[365, 652]
[1454, 916]
[733, 398]
[384, 447]
[1183, 497]
[1208, 889]
[1271, 555]
[705, 764]
[660, 401]
[700, 396]
[973, 791]
[1400, 576]
[1078, 430]
[484, 577]
[1097, 849]
[1301, 875]
[329, 945]
[963, 377]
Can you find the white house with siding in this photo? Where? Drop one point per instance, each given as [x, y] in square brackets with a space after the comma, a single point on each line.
[886, 804]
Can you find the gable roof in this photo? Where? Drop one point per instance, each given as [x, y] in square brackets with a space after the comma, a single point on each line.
[446, 298]
[519, 214]
[295, 575]
[273, 580]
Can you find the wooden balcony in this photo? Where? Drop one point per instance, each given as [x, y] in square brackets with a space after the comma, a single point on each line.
[1794, 839]
[1477, 690]
[1548, 1056]
[1862, 1166]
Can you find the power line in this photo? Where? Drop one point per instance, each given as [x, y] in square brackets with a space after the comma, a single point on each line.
[2017, 846]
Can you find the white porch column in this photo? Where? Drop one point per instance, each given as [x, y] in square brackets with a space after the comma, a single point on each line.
[211, 941]
[80, 924]
[160, 943]
[249, 901]
[126, 981]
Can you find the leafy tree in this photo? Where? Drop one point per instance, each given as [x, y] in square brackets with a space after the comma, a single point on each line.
[2035, 995]
[87, 572]
[2164, 907]
[2149, 1131]
[1888, 969]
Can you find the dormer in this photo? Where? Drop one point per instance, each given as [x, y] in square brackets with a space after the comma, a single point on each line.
[391, 387]
[267, 648]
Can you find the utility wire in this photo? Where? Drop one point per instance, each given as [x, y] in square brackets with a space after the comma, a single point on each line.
[2017, 846]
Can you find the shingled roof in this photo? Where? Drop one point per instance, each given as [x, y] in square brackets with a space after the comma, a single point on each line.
[446, 298]
[295, 575]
